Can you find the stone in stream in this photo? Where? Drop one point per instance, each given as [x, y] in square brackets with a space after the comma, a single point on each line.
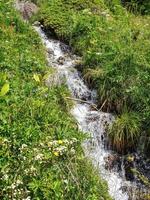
[111, 161]
[129, 165]
[65, 48]
[50, 51]
[36, 23]
[61, 60]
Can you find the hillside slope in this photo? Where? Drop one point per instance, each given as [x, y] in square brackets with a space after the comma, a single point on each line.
[41, 155]
[115, 47]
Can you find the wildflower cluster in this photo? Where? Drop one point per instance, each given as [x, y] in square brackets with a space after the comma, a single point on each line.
[62, 147]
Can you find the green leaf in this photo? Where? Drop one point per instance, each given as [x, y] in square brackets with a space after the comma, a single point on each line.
[5, 89]
[3, 76]
[36, 78]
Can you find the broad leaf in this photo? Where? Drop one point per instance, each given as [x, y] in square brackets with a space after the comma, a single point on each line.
[36, 78]
[4, 89]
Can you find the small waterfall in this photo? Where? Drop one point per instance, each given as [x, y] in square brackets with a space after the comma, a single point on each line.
[92, 122]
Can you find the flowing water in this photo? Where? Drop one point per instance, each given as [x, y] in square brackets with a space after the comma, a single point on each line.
[90, 121]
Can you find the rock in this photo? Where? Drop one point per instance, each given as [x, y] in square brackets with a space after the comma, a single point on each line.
[50, 51]
[65, 48]
[111, 161]
[61, 60]
[26, 8]
[36, 23]
[78, 63]
[128, 166]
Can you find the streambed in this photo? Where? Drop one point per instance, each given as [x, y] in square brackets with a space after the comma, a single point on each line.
[90, 121]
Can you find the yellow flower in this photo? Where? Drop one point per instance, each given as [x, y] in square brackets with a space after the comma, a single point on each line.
[56, 153]
[60, 142]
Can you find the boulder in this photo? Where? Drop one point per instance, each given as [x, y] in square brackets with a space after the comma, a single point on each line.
[26, 8]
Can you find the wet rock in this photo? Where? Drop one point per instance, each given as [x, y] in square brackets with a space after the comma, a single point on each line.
[26, 8]
[36, 23]
[124, 188]
[78, 63]
[143, 163]
[111, 161]
[129, 166]
[136, 193]
[61, 60]
[50, 51]
[65, 48]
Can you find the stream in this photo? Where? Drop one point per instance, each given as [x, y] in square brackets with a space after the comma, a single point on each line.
[90, 121]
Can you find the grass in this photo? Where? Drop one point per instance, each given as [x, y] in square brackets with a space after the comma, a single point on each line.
[115, 47]
[41, 155]
[125, 131]
[138, 6]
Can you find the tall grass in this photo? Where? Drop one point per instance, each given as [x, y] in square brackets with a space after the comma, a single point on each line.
[125, 132]
[115, 47]
[138, 6]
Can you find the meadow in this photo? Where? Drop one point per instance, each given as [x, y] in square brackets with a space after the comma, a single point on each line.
[41, 154]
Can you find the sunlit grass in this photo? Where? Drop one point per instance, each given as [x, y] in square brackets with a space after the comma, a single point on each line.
[41, 155]
[115, 47]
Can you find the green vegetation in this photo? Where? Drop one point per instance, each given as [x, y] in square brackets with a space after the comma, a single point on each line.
[115, 47]
[141, 177]
[125, 131]
[41, 155]
[141, 6]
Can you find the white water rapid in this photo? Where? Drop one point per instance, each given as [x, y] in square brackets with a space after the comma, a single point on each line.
[90, 121]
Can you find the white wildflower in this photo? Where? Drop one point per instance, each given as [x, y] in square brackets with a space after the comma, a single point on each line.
[72, 150]
[50, 144]
[26, 171]
[5, 177]
[13, 186]
[33, 169]
[66, 141]
[66, 181]
[19, 182]
[42, 144]
[24, 158]
[55, 142]
[39, 157]
[5, 140]
[23, 146]
[28, 198]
